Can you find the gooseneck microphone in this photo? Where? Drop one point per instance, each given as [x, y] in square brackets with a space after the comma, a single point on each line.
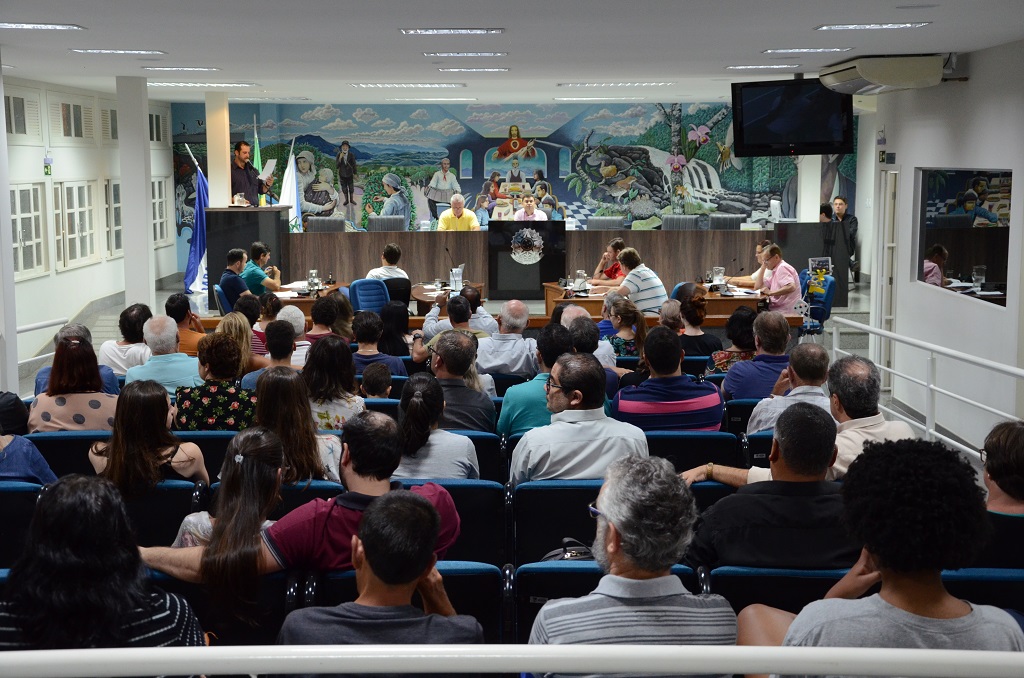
[450, 258]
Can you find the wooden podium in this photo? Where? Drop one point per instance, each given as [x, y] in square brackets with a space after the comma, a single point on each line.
[231, 227]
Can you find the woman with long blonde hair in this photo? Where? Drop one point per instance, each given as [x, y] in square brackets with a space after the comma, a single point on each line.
[236, 326]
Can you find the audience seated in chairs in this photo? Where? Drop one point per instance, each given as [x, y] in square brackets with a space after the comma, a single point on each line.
[459, 317]
[249, 306]
[791, 521]
[917, 509]
[693, 311]
[73, 400]
[142, 451]
[507, 352]
[330, 378]
[739, 329]
[395, 339]
[280, 340]
[368, 328]
[343, 325]
[167, 365]
[452, 355]
[1003, 473]
[217, 405]
[581, 336]
[282, 406]
[393, 555]
[80, 583]
[604, 325]
[376, 381]
[645, 516]
[130, 350]
[236, 326]
[480, 322]
[800, 381]
[270, 306]
[318, 535]
[431, 452]
[630, 328]
[76, 331]
[581, 440]
[669, 400]
[323, 313]
[756, 378]
[190, 328]
[525, 406]
[293, 316]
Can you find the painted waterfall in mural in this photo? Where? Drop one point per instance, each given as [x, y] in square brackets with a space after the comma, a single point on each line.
[639, 161]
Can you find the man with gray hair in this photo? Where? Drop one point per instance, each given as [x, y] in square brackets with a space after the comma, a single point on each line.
[294, 316]
[507, 352]
[855, 385]
[457, 217]
[604, 325]
[800, 381]
[451, 356]
[76, 331]
[166, 366]
[604, 352]
[756, 378]
[581, 441]
[645, 517]
[481, 322]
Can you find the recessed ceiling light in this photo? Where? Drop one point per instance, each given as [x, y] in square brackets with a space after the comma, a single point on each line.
[756, 67]
[202, 84]
[117, 51]
[269, 98]
[615, 84]
[870, 27]
[178, 68]
[599, 98]
[807, 50]
[451, 31]
[474, 70]
[42, 27]
[465, 54]
[432, 99]
[399, 85]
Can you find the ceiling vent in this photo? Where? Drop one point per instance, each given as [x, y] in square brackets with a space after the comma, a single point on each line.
[876, 75]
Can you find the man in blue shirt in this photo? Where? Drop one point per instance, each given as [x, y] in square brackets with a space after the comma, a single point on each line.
[525, 406]
[166, 365]
[231, 280]
[756, 378]
[255, 273]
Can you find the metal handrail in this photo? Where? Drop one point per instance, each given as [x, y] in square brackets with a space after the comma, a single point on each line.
[647, 659]
[42, 325]
[929, 382]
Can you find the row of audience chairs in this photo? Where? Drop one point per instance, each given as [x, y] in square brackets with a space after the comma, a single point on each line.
[506, 600]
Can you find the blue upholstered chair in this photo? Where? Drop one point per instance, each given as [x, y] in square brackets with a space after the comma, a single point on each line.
[222, 300]
[368, 295]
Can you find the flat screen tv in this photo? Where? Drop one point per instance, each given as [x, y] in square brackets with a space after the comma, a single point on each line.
[790, 117]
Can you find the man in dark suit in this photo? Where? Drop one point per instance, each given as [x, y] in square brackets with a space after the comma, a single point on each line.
[347, 171]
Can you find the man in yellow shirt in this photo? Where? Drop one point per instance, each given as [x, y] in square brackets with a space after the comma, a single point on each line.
[458, 218]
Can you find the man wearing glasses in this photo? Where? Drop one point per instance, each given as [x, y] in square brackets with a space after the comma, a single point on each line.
[581, 440]
[645, 516]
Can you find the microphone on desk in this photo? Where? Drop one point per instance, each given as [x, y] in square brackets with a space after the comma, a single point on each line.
[730, 277]
[450, 258]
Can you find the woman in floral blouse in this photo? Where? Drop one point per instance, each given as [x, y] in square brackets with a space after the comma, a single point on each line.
[219, 404]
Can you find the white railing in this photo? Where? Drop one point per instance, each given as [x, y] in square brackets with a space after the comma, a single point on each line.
[41, 325]
[932, 391]
[563, 659]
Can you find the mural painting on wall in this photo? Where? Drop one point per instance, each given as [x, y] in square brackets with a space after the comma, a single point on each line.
[638, 161]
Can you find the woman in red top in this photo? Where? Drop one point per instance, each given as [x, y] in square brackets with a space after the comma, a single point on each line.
[608, 272]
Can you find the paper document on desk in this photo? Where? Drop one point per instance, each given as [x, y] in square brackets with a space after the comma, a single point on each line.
[284, 294]
[956, 284]
[297, 285]
[988, 293]
[268, 169]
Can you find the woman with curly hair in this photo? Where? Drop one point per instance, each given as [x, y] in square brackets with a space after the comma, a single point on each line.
[80, 583]
[142, 451]
[739, 329]
[330, 377]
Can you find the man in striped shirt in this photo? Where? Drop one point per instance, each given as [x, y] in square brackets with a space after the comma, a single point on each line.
[642, 285]
[645, 516]
[669, 400]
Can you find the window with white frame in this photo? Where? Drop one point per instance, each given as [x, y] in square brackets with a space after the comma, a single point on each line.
[71, 120]
[75, 232]
[28, 229]
[160, 210]
[155, 127]
[14, 107]
[115, 244]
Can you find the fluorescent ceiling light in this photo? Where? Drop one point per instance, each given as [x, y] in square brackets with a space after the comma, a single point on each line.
[753, 67]
[870, 27]
[42, 27]
[202, 84]
[451, 31]
[599, 98]
[433, 99]
[396, 85]
[474, 70]
[178, 68]
[465, 54]
[6, 66]
[615, 84]
[269, 98]
[117, 51]
[807, 50]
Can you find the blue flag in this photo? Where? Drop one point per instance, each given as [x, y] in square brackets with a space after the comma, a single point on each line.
[195, 269]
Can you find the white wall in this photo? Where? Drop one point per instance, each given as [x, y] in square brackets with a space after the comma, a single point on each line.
[864, 208]
[64, 293]
[976, 125]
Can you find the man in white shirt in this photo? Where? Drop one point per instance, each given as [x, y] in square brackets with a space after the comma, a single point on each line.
[388, 264]
[294, 316]
[131, 350]
[529, 211]
[855, 386]
[803, 378]
[507, 352]
[581, 440]
[479, 320]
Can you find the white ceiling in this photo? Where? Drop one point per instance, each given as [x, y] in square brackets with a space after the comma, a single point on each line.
[316, 48]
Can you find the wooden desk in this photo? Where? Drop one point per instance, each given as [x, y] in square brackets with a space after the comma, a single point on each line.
[306, 303]
[717, 304]
[424, 298]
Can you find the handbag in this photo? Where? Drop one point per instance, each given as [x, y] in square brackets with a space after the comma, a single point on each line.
[571, 549]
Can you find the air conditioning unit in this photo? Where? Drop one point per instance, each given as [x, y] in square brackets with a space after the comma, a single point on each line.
[875, 75]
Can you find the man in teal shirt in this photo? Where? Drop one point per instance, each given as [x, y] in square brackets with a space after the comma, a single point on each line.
[255, 273]
[525, 406]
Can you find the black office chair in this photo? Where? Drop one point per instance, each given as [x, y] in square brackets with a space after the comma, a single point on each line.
[606, 223]
[399, 289]
[679, 222]
[388, 223]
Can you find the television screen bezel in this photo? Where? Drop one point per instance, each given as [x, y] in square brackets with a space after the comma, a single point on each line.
[742, 149]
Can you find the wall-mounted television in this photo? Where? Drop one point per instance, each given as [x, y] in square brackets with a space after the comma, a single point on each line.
[790, 117]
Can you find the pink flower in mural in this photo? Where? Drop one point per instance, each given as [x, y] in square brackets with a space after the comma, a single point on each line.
[676, 162]
[699, 134]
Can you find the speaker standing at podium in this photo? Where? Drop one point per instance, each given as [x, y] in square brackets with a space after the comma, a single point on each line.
[244, 177]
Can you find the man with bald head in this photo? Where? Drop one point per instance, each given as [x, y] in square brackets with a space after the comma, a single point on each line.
[507, 352]
[604, 352]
